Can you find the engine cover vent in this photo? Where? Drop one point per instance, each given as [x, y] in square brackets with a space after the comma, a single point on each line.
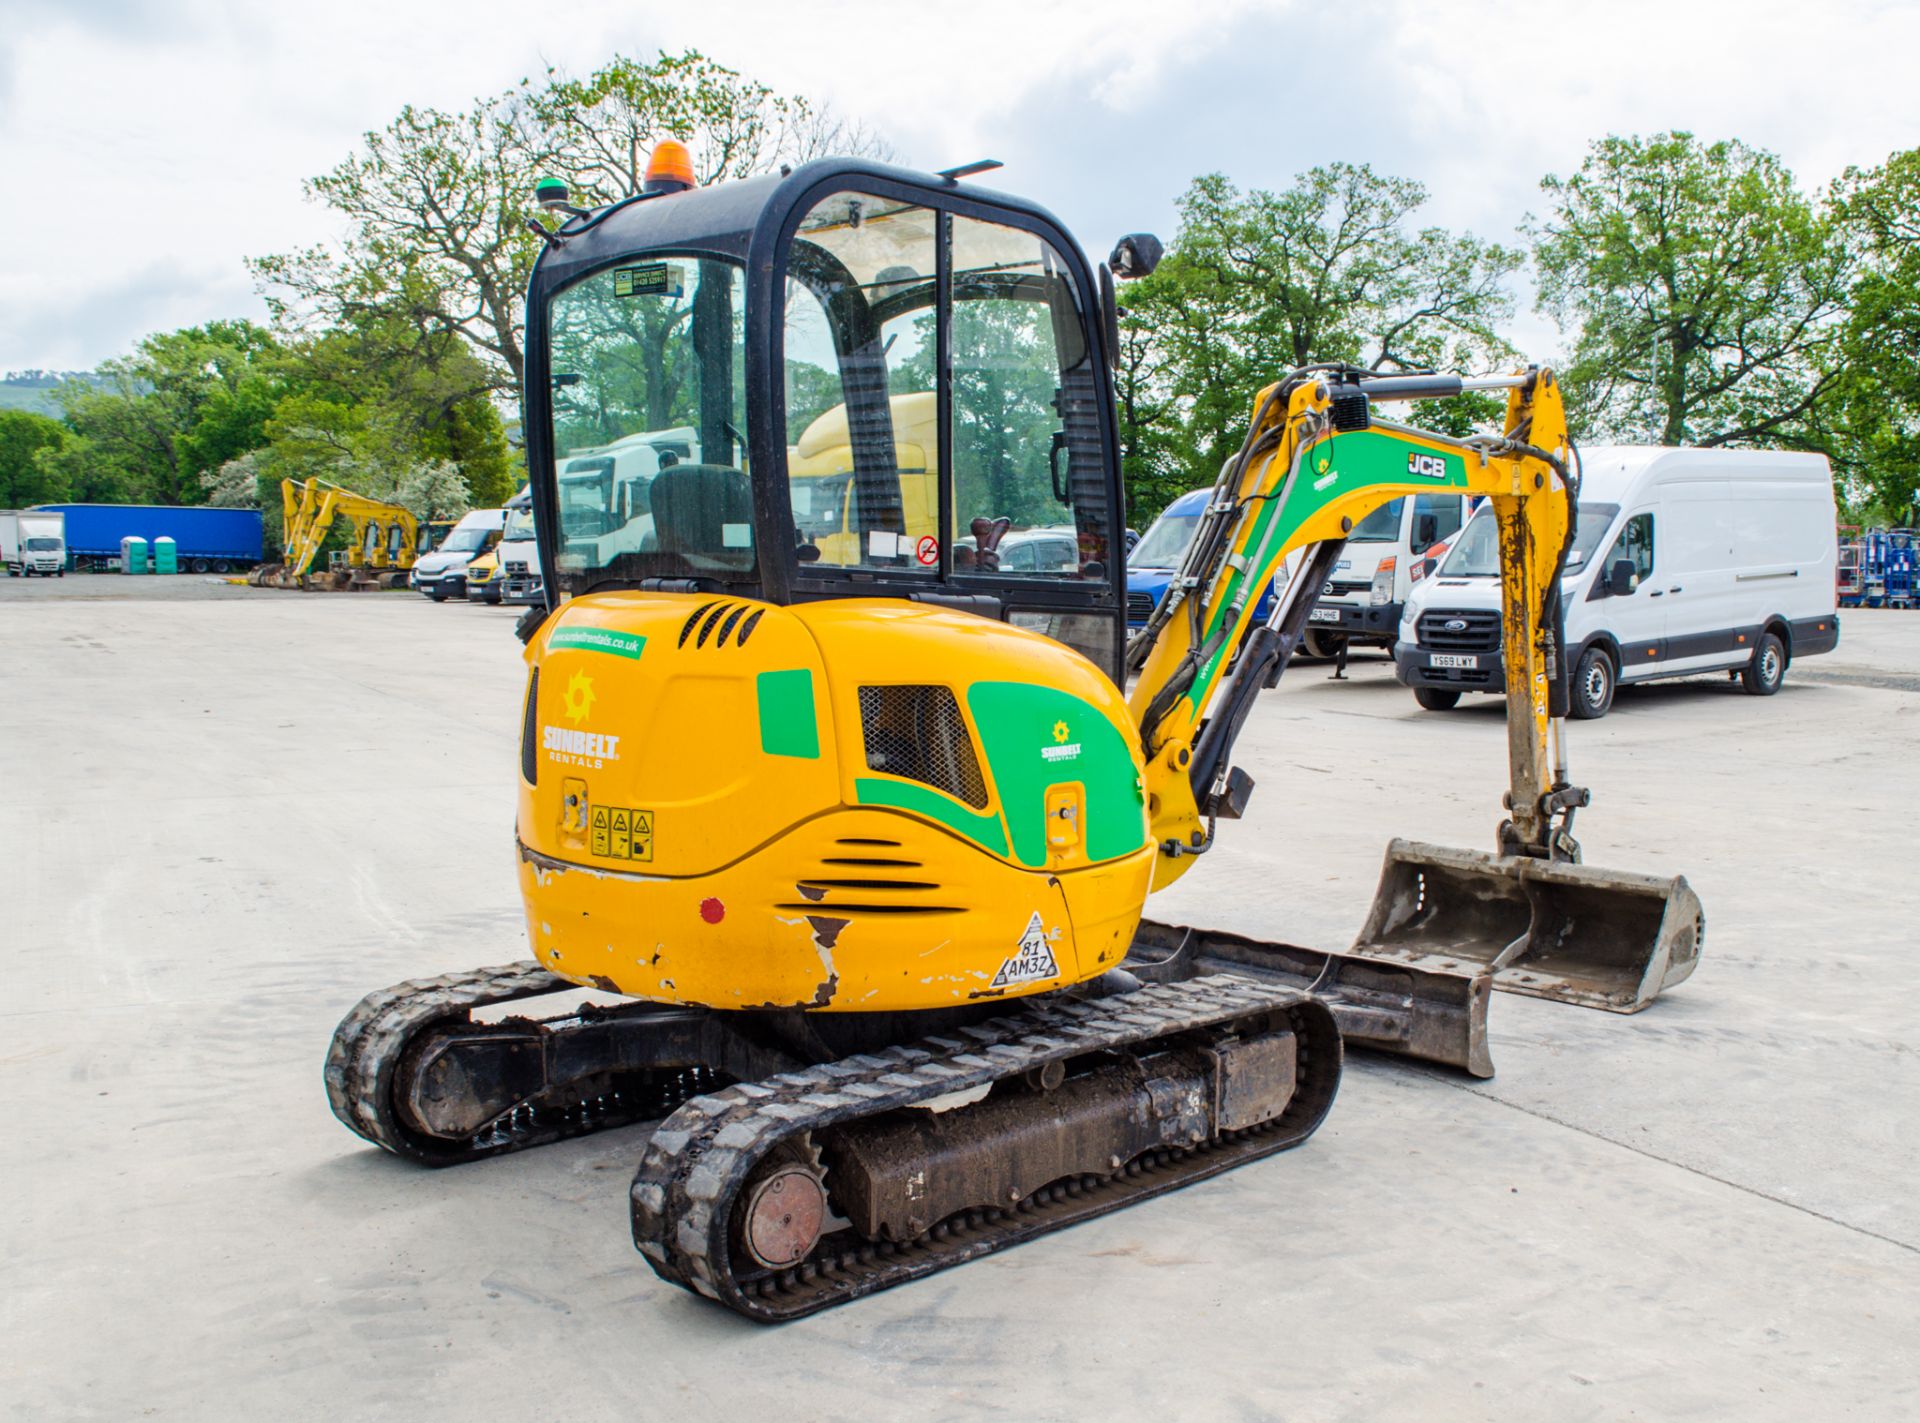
[918, 733]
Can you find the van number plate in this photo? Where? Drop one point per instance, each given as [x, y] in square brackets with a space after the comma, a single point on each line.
[1454, 659]
[1324, 615]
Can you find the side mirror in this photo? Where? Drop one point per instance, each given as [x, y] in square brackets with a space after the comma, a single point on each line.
[1620, 578]
[1136, 255]
[1426, 532]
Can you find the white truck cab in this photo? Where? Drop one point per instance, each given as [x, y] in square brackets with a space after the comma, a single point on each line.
[33, 541]
[519, 553]
[1683, 561]
[605, 493]
[1387, 555]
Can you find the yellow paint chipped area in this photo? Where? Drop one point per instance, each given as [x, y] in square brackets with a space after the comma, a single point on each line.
[753, 935]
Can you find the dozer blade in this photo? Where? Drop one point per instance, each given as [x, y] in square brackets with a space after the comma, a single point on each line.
[1573, 933]
[1432, 1013]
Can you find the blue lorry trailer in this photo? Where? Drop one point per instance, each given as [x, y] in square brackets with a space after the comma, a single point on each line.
[206, 540]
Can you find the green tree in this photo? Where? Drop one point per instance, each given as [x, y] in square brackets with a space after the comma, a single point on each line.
[601, 130]
[150, 425]
[1702, 290]
[370, 401]
[1153, 440]
[1876, 407]
[437, 203]
[1333, 268]
[24, 478]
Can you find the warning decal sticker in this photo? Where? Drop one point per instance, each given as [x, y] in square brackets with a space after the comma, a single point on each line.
[620, 833]
[1033, 961]
[653, 279]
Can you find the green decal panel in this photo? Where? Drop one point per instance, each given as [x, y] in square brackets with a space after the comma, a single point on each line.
[614, 644]
[1368, 468]
[984, 830]
[1035, 738]
[787, 723]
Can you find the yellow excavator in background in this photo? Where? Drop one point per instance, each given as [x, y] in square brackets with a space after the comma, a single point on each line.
[857, 813]
[383, 546]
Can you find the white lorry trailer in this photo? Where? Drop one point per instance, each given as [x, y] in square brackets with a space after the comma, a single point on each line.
[33, 541]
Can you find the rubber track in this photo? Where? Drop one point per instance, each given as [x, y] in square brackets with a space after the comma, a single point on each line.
[697, 1161]
[372, 1040]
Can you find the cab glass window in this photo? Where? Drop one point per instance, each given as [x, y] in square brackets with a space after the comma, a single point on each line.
[1382, 526]
[1029, 496]
[648, 370]
[861, 404]
[1436, 518]
[1634, 546]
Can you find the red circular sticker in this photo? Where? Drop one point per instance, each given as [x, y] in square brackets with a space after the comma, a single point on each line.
[927, 550]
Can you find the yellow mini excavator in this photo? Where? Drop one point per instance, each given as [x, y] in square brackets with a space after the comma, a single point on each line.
[830, 774]
[380, 552]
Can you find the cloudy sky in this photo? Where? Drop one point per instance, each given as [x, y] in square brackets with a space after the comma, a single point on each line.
[148, 147]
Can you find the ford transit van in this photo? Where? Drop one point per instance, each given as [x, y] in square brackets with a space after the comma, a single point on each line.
[1683, 561]
[1387, 555]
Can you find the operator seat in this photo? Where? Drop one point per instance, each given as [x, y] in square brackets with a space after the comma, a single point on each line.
[691, 504]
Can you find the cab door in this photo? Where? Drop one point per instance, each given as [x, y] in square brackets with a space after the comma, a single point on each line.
[1633, 614]
[947, 414]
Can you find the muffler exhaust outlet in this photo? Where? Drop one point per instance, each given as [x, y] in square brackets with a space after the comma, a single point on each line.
[1572, 933]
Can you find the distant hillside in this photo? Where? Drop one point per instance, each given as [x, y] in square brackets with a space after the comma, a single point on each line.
[33, 390]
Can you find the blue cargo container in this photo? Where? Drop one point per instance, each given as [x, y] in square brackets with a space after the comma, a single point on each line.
[205, 540]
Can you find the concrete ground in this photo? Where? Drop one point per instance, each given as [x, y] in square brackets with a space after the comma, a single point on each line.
[228, 813]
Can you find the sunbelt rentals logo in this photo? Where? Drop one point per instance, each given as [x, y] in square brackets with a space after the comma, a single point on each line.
[1063, 749]
[575, 745]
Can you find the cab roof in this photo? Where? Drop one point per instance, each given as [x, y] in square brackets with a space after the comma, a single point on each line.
[724, 218]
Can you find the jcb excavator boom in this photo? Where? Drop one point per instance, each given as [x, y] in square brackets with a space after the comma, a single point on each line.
[1317, 459]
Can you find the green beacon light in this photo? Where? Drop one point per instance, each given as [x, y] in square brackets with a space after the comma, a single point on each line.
[551, 193]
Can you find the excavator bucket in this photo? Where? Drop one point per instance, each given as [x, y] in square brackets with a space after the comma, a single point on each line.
[1569, 932]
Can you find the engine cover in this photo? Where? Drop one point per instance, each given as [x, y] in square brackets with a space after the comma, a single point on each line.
[857, 805]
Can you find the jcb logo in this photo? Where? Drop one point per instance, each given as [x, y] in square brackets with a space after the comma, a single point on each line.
[1426, 466]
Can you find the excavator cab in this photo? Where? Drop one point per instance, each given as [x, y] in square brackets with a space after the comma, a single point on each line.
[845, 381]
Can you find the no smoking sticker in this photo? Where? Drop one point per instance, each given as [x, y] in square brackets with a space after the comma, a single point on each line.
[927, 551]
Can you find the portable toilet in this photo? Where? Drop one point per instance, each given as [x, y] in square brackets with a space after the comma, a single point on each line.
[133, 554]
[164, 560]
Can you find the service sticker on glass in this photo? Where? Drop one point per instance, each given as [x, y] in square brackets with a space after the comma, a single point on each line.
[653, 279]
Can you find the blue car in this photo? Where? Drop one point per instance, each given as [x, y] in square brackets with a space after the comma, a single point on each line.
[1156, 558]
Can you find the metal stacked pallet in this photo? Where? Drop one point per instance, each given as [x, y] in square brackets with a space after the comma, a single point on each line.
[1902, 591]
[1889, 569]
[1849, 574]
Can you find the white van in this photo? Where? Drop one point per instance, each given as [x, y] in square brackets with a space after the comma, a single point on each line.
[442, 574]
[1684, 561]
[1386, 556]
